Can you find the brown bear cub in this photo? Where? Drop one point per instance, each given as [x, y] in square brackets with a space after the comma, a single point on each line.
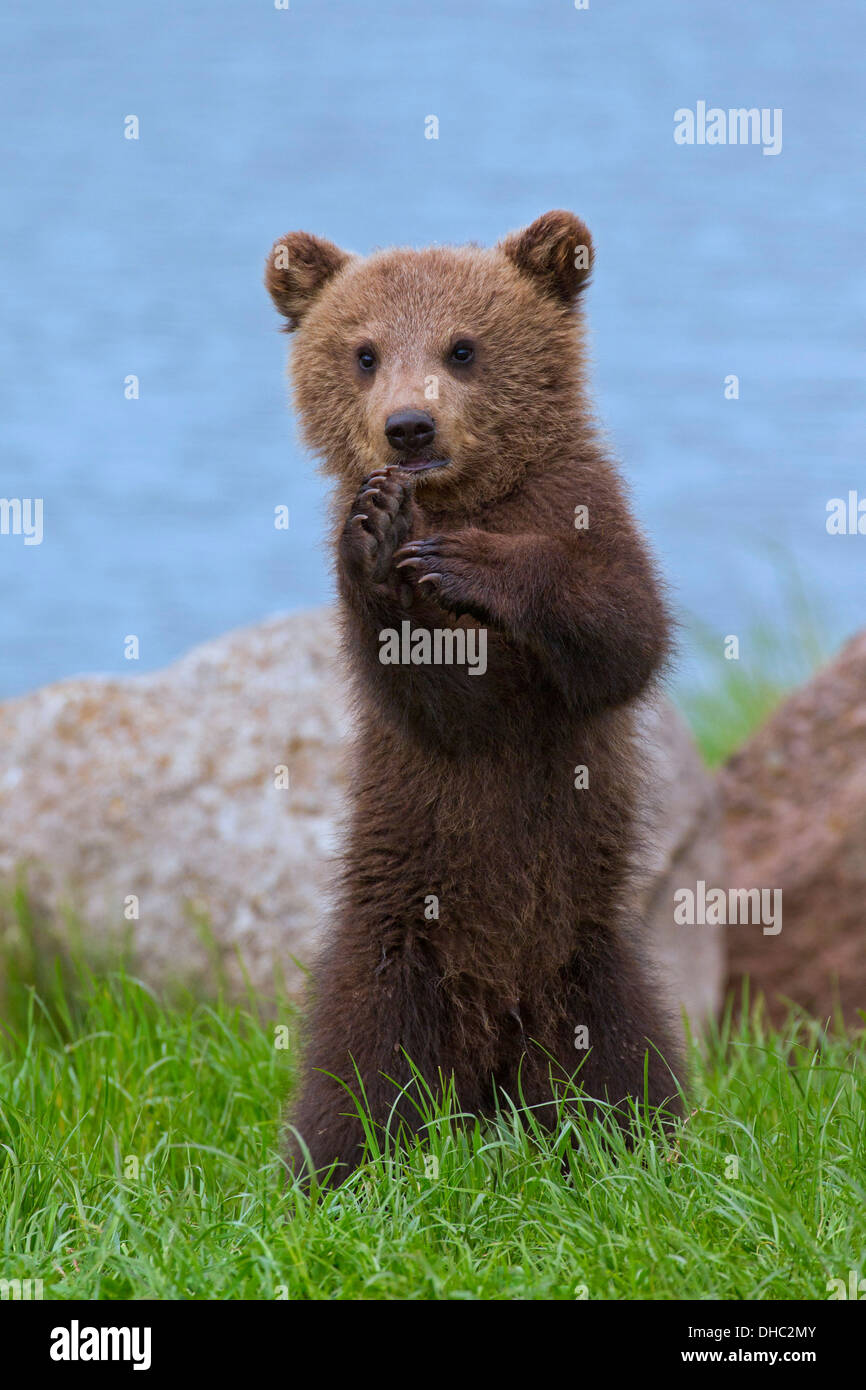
[483, 917]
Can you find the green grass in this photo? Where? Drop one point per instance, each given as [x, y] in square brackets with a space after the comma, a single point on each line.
[139, 1144]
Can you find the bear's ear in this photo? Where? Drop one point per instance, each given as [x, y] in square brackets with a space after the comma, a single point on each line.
[556, 251]
[297, 270]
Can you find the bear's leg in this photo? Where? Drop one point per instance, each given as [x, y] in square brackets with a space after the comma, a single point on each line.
[370, 1021]
[599, 1023]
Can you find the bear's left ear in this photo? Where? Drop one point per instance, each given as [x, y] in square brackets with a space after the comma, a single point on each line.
[556, 251]
[296, 271]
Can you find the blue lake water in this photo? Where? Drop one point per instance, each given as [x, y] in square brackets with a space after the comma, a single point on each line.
[145, 257]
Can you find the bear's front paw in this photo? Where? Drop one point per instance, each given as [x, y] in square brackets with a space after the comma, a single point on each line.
[380, 519]
[446, 568]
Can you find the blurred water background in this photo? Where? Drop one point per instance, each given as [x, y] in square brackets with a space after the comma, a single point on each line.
[145, 257]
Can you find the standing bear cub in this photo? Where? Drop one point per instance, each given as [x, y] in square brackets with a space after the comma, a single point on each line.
[483, 925]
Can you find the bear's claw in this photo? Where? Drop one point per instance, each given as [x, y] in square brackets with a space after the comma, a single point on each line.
[449, 569]
[371, 536]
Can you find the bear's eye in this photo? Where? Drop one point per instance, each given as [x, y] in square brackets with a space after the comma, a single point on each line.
[366, 359]
[462, 352]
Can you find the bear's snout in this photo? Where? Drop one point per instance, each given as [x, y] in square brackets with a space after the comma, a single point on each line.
[410, 431]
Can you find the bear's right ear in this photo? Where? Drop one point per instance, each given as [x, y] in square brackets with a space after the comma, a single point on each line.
[296, 271]
[555, 251]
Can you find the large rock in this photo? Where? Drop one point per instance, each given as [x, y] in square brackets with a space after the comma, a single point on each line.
[164, 788]
[795, 819]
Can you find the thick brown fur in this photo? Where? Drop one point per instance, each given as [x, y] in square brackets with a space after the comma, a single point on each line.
[463, 785]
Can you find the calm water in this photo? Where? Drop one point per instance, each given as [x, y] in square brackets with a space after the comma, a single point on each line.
[145, 257]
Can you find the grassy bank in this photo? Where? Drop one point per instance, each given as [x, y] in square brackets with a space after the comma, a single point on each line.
[139, 1146]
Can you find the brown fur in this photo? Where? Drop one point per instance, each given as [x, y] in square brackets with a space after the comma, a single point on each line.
[463, 785]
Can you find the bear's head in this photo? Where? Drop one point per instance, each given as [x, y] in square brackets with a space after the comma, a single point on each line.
[460, 364]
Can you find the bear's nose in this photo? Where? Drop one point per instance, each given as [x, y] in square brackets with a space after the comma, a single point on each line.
[410, 430]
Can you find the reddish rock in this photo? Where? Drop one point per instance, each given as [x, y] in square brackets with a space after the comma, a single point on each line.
[795, 818]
